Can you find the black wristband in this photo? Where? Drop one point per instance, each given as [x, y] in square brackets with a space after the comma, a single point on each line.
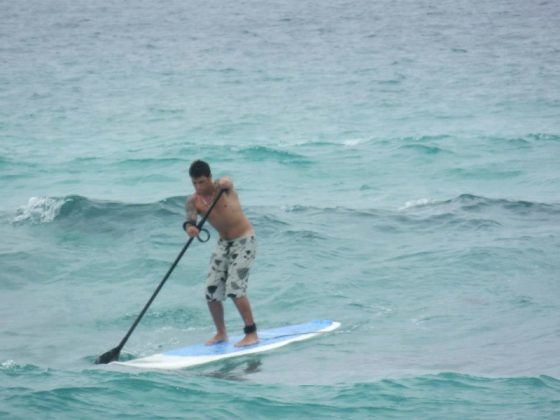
[250, 329]
[187, 223]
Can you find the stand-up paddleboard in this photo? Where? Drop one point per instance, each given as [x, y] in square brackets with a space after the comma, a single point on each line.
[199, 354]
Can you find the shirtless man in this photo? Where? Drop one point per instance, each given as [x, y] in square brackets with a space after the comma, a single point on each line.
[234, 252]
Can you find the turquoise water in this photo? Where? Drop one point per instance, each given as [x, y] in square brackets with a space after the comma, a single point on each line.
[399, 161]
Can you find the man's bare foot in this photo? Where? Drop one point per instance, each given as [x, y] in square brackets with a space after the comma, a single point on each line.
[248, 340]
[217, 339]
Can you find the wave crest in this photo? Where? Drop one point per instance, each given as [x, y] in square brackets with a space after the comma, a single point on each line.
[40, 210]
[470, 202]
[52, 209]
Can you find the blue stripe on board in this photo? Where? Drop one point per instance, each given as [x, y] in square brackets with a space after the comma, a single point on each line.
[266, 337]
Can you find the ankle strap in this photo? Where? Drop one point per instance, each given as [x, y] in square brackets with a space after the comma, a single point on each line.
[250, 329]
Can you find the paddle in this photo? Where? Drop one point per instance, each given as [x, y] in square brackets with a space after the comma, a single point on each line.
[113, 354]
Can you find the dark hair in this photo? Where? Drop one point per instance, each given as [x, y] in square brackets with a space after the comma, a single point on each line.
[199, 168]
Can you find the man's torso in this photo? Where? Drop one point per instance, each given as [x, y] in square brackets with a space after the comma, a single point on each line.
[227, 217]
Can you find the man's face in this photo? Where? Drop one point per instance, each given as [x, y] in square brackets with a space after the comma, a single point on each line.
[202, 184]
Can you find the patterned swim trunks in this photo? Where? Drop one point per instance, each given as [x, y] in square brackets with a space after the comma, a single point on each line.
[229, 268]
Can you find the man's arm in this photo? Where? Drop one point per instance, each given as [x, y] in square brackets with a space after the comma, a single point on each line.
[190, 224]
[190, 207]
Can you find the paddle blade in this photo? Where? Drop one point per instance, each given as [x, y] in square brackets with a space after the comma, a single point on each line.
[108, 357]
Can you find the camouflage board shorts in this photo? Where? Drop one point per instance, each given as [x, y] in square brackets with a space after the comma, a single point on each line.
[229, 268]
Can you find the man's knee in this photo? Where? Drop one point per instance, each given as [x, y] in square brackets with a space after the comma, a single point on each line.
[211, 294]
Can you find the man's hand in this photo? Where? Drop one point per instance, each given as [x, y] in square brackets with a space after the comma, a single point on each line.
[224, 183]
[192, 230]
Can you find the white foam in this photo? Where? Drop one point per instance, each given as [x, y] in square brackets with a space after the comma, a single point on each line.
[8, 364]
[39, 210]
[353, 142]
[416, 203]
[304, 142]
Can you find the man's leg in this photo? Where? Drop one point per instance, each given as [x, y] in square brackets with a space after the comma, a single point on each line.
[215, 289]
[244, 308]
[217, 311]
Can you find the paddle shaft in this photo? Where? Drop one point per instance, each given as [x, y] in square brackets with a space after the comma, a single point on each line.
[162, 282]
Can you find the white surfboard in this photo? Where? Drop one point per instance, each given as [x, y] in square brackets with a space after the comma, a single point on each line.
[199, 354]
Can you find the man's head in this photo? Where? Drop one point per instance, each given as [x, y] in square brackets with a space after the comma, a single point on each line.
[200, 168]
[201, 177]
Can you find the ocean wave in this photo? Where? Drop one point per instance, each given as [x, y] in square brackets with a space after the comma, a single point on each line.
[8, 364]
[258, 153]
[544, 137]
[157, 394]
[76, 207]
[12, 368]
[424, 145]
[464, 202]
[422, 202]
[40, 210]
[227, 152]
[152, 162]
[422, 139]
[474, 203]
[466, 210]
[472, 212]
[353, 142]
[484, 173]
[312, 142]
[423, 149]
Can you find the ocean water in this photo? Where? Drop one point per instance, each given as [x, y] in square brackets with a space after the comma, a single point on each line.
[398, 160]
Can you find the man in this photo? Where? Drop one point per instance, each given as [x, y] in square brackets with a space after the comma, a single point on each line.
[234, 252]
